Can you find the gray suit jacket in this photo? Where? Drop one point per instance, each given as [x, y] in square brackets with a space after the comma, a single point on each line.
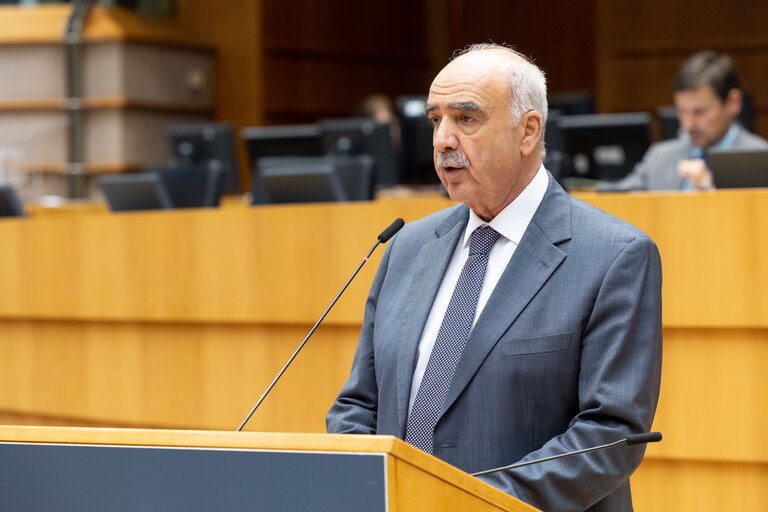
[565, 355]
[658, 169]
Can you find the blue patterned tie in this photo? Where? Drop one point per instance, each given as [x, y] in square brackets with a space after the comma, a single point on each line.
[451, 338]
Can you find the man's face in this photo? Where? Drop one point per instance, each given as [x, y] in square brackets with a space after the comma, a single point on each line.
[477, 152]
[704, 115]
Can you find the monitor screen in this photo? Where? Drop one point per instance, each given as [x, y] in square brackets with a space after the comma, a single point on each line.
[314, 179]
[416, 159]
[300, 180]
[288, 140]
[746, 168]
[362, 136]
[554, 159]
[571, 103]
[669, 126]
[210, 145]
[191, 187]
[604, 146]
[10, 204]
[301, 140]
[140, 191]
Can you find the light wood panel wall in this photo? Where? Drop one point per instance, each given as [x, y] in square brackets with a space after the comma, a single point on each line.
[233, 28]
[170, 374]
[198, 310]
[181, 319]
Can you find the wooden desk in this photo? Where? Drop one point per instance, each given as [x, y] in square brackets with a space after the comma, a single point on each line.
[85, 469]
[181, 319]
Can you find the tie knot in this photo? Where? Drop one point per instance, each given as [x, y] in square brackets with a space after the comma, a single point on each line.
[482, 240]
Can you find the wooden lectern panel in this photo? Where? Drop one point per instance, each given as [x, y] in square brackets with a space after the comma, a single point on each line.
[84, 470]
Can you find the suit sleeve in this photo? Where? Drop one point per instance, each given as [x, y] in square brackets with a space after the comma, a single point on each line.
[620, 374]
[354, 411]
[635, 180]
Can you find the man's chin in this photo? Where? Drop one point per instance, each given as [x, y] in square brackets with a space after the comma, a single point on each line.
[699, 142]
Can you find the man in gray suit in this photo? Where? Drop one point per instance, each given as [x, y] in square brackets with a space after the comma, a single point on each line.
[520, 324]
[708, 100]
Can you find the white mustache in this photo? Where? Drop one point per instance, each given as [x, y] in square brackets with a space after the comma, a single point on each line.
[452, 158]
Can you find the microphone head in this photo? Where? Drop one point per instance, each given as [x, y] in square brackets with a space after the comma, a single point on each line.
[393, 228]
[648, 437]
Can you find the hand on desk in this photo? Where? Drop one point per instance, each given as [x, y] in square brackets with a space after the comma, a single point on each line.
[696, 172]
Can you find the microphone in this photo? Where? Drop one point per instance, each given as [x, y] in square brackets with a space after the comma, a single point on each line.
[383, 238]
[647, 437]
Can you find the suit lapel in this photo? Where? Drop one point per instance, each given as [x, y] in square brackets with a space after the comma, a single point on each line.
[429, 269]
[533, 262]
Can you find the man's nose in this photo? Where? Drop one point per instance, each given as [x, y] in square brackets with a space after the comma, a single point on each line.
[444, 137]
[686, 121]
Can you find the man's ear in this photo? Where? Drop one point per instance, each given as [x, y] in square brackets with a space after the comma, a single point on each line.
[733, 102]
[532, 127]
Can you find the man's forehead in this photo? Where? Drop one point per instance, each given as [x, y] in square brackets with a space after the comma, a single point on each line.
[475, 94]
[471, 77]
[701, 94]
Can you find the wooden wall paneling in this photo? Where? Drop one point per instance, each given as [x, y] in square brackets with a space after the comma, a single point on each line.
[559, 35]
[234, 29]
[211, 265]
[705, 262]
[701, 416]
[641, 46]
[171, 375]
[345, 27]
[699, 486]
[321, 59]
[182, 318]
[305, 88]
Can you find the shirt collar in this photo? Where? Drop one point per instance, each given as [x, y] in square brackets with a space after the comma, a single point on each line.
[727, 142]
[513, 220]
[729, 138]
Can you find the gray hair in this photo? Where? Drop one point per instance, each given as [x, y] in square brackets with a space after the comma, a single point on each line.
[527, 82]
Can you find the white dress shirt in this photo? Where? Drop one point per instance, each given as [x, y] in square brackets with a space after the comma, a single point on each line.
[511, 223]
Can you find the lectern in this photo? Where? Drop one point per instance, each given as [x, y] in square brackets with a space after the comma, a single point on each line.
[84, 470]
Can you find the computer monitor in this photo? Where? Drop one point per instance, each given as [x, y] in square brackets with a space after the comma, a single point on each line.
[191, 187]
[362, 136]
[416, 156]
[10, 204]
[739, 168]
[315, 179]
[210, 145]
[669, 125]
[300, 140]
[554, 160]
[140, 191]
[285, 140]
[160, 188]
[604, 146]
[571, 103]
